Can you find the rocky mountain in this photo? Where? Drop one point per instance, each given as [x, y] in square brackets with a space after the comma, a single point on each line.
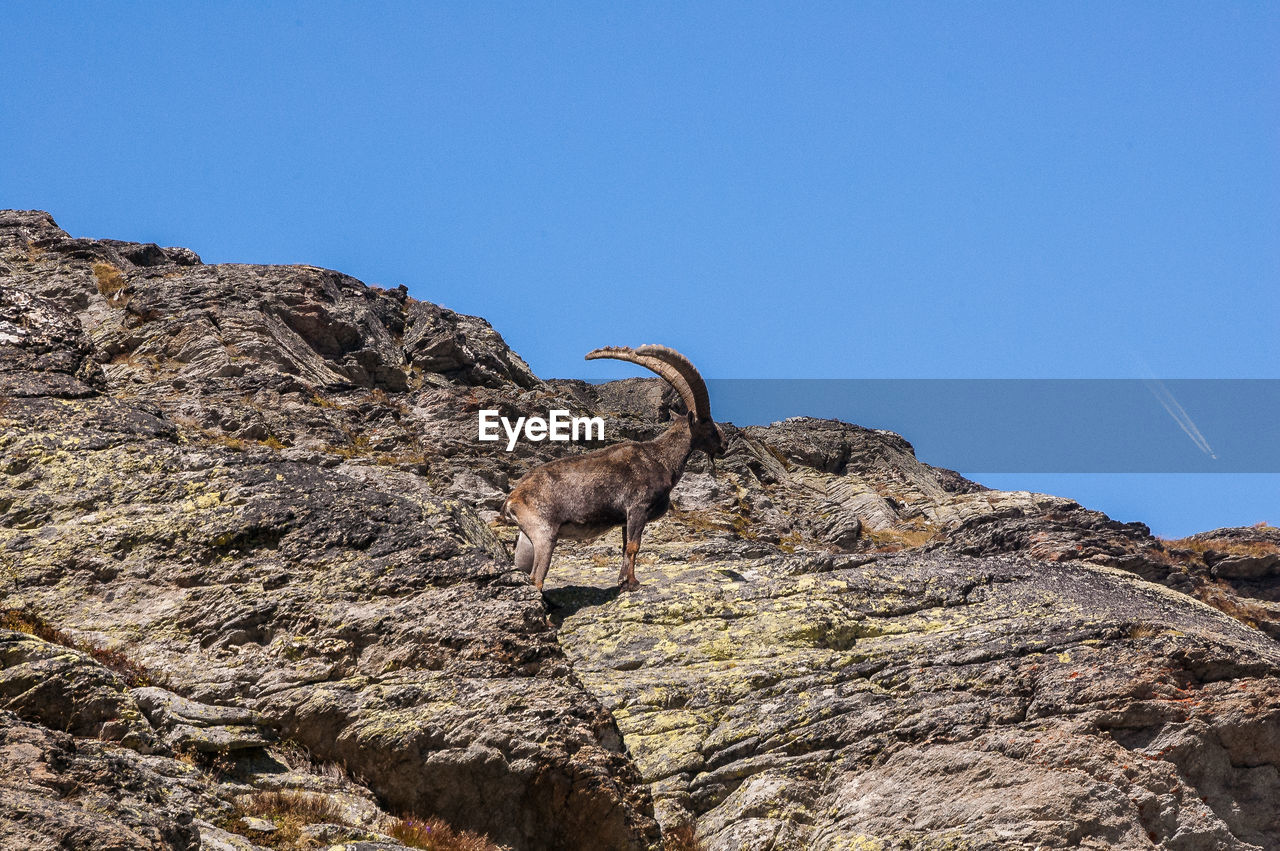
[256, 595]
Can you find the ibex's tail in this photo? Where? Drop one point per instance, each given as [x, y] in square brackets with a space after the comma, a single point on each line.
[505, 513]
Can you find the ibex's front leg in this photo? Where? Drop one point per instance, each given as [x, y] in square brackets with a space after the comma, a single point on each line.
[630, 546]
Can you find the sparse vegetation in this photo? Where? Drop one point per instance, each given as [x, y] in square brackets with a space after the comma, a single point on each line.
[136, 360]
[681, 838]
[1143, 630]
[1223, 597]
[434, 835]
[895, 540]
[699, 521]
[111, 283]
[359, 445]
[323, 402]
[291, 811]
[1227, 546]
[29, 621]
[226, 440]
[791, 541]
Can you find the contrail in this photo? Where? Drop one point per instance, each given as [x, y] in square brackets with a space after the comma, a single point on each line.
[1179, 414]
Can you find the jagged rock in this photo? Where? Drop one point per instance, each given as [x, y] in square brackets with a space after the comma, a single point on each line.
[214, 838]
[360, 612]
[460, 346]
[64, 689]
[188, 725]
[930, 698]
[57, 792]
[265, 483]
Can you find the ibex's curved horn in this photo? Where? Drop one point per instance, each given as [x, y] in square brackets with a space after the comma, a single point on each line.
[701, 406]
[669, 371]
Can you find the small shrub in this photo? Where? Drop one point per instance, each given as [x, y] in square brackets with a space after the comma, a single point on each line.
[322, 402]
[28, 621]
[306, 807]
[272, 442]
[681, 838]
[434, 835]
[290, 811]
[359, 446]
[791, 542]
[111, 282]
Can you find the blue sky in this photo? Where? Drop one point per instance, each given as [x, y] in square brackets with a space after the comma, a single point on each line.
[781, 190]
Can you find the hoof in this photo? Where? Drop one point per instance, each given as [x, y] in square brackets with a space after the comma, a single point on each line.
[628, 585]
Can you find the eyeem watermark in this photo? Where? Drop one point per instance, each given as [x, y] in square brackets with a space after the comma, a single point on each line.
[558, 425]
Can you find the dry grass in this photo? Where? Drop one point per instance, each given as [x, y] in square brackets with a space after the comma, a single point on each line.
[681, 838]
[791, 542]
[232, 443]
[434, 835]
[699, 521]
[1225, 599]
[272, 442]
[1200, 546]
[322, 402]
[111, 283]
[391, 459]
[896, 540]
[1144, 630]
[358, 446]
[713, 520]
[28, 621]
[290, 811]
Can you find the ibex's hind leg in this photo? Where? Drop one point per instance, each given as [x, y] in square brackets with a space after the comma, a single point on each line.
[630, 547]
[627, 567]
[544, 543]
[524, 554]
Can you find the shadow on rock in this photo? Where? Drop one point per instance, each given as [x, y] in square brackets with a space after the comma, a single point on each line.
[570, 599]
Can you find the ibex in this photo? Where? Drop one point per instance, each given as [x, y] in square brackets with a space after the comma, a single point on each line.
[626, 484]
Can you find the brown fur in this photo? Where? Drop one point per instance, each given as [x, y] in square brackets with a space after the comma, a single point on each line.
[627, 484]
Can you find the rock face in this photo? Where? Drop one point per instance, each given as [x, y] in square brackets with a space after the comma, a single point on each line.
[262, 486]
[341, 596]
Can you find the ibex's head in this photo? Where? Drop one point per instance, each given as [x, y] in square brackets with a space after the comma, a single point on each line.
[706, 436]
[681, 375]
